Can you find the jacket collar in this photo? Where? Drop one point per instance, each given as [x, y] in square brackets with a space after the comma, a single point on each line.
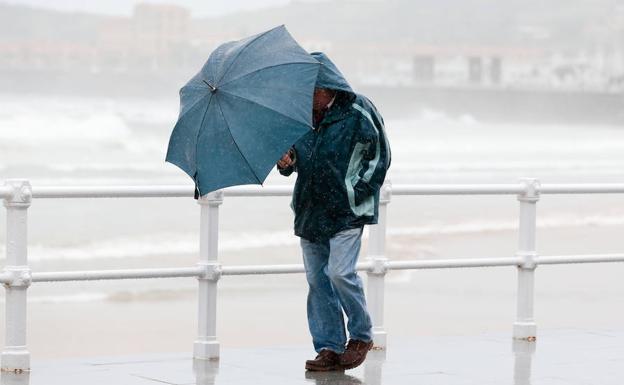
[340, 109]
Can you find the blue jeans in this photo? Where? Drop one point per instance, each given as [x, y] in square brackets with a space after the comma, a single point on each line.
[334, 286]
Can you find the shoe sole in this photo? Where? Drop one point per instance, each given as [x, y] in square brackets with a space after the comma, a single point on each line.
[334, 368]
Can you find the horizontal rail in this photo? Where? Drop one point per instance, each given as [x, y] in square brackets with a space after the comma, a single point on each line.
[254, 190]
[245, 191]
[457, 189]
[429, 264]
[453, 263]
[262, 269]
[582, 188]
[111, 191]
[275, 269]
[172, 191]
[294, 269]
[590, 258]
[117, 274]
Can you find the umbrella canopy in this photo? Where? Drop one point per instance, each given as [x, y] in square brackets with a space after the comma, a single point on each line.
[245, 108]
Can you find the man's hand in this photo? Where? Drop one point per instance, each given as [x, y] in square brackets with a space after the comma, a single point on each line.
[287, 160]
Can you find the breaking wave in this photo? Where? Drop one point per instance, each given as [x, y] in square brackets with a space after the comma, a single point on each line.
[38, 128]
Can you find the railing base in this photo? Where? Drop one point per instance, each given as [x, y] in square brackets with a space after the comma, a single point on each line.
[525, 331]
[379, 339]
[206, 350]
[15, 359]
[206, 371]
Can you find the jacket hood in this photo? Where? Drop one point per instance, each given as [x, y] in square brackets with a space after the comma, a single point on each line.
[329, 75]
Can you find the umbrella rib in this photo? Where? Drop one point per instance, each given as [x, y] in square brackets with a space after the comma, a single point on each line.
[199, 132]
[236, 144]
[241, 51]
[265, 68]
[266, 107]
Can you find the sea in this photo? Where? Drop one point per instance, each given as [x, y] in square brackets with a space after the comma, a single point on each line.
[65, 141]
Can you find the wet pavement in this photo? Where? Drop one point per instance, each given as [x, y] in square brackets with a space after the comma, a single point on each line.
[557, 357]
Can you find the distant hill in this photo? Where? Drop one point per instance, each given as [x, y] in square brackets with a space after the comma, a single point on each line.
[551, 22]
[564, 23]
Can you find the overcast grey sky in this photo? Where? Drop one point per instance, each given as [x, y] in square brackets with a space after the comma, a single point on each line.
[124, 7]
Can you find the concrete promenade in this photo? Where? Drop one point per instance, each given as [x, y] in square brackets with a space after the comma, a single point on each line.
[558, 357]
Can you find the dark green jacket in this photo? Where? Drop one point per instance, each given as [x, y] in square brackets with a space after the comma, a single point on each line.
[340, 168]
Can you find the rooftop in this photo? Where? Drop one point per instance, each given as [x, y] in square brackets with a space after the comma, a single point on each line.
[558, 357]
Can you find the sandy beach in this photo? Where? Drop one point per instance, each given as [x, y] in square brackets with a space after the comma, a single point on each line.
[137, 317]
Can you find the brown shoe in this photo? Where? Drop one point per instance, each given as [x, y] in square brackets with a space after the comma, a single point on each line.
[325, 361]
[355, 353]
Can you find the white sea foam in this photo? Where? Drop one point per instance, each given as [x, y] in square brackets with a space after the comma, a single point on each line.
[429, 115]
[37, 128]
[476, 227]
[428, 144]
[35, 122]
[434, 133]
[171, 244]
[64, 298]
[83, 297]
[163, 244]
[595, 165]
[113, 296]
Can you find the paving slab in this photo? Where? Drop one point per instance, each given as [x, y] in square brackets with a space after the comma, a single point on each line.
[558, 357]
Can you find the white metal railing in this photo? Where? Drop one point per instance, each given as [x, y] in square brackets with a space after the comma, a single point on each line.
[17, 275]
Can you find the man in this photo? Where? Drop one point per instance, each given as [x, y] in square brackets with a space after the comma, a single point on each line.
[341, 165]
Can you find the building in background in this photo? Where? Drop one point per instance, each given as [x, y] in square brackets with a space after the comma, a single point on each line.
[162, 39]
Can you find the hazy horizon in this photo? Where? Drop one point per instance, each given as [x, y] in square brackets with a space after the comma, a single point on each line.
[198, 8]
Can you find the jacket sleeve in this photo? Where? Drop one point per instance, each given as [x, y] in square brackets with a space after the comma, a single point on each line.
[375, 157]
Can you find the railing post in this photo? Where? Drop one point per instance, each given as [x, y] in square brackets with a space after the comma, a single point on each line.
[525, 327]
[206, 346]
[376, 276]
[206, 371]
[523, 351]
[373, 367]
[15, 355]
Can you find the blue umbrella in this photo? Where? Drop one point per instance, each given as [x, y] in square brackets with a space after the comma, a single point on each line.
[245, 108]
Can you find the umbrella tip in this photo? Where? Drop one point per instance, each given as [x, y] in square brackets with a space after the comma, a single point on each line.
[212, 88]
